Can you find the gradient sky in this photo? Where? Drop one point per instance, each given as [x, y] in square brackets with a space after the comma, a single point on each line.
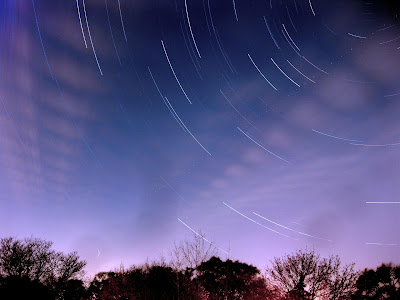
[119, 118]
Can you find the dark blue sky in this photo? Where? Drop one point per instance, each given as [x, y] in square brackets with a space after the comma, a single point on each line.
[268, 125]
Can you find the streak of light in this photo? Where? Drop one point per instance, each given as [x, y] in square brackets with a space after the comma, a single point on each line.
[205, 14]
[299, 232]
[392, 40]
[234, 8]
[211, 243]
[172, 188]
[190, 28]
[384, 202]
[16, 131]
[392, 95]
[192, 56]
[312, 9]
[59, 89]
[314, 65]
[283, 25]
[211, 20]
[359, 81]
[41, 40]
[375, 145]
[112, 35]
[386, 28]
[98, 252]
[155, 83]
[336, 137]
[173, 72]
[186, 36]
[357, 36]
[299, 224]
[90, 37]
[230, 85]
[277, 29]
[216, 55]
[174, 115]
[217, 39]
[261, 73]
[230, 103]
[295, 5]
[285, 73]
[228, 61]
[122, 21]
[186, 127]
[290, 44]
[261, 146]
[258, 223]
[138, 78]
[125, 114]
[290, 18]
[80, 22]
[329, 29]
[382, 244]
[162, 97]
[270, 33]
[300, 72]
[77, 127]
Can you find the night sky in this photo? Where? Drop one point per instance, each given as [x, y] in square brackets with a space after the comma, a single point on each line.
[269, 126]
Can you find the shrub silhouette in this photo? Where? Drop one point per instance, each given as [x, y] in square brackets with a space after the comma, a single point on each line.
[30, 269]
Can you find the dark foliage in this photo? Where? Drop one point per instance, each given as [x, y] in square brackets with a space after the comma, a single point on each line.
[231, 280]
[147, 283]
[382, 283]
[30, 269]
[15, 287]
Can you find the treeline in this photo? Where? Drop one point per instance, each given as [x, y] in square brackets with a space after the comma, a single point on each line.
[30, 269]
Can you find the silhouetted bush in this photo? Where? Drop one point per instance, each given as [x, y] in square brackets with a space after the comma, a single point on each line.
[231, 280]
[30, 269]
[382, 283]
[148, 282]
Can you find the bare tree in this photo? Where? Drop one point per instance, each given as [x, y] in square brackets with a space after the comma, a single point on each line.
[342, 283]
[34, 258]
[190, 253]
[304, 274]
[187, 255]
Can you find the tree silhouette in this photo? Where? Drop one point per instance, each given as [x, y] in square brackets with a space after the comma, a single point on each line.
[147, 282]
[186, 256]
[192, 252]
[74, 289]
[30, 269]
[384, 283]
[305, 275]
[231, 280]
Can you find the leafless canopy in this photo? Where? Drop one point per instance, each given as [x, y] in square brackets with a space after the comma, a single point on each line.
[192, 252]
[34, 259]
[306, 273]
